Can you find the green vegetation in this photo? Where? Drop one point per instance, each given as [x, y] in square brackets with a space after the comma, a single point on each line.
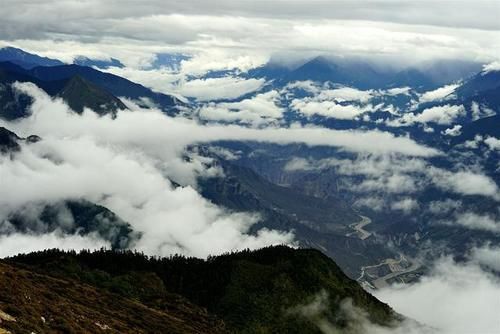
[252, 291]
[36, 303]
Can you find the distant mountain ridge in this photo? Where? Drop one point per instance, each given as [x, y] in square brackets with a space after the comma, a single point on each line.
[363, 75]
[99, 63]
[80, 86]
[30, 60]
[25, 59]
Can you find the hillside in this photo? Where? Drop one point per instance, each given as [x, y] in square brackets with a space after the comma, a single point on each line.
[252, 291]
[317, 223]
[36, 303]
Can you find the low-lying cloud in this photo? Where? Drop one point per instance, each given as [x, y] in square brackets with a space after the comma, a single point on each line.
[455, 298]
[126, 164]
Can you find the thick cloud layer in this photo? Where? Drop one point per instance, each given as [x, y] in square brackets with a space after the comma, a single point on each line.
[126, 165]
[455, 298]
[13, 244]
[133, 31]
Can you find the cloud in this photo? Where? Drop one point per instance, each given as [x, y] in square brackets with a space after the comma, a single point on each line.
[136, 31]
[393, 174]
[442, 115]
[493, 143]
[439, 94]
[329, 109]
[130, 160]
[463, 14]
[454, 131]
[406, 205]
[444, 207]
[171, 220]
[340, 102]
[186, 81]
[13, 244]
[307, 85]
[480, 111]
[346, 94]
[353, 318]
[475, 221]
[487, 256]
[398, 91]
[491, 67]
[464, 182]
[150, 131]
[257, 110]
[455, 298]
[219, 88]
[122, 176]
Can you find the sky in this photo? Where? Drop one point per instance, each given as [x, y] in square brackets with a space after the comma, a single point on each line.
[246, 33]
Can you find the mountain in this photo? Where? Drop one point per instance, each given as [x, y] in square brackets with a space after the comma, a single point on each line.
[488, 126]
[364, 75]
[247, 190]
[479, 83]
[99, 63]
[72, 217]
[12, 103]
[444, 71]
[170, 61]
[349, 72]
[251, 291]
[114, 84]
[80, 93]
[80, 86]
[9, 141]
[412, 77]
[79, 217]
[76, 91]
[33, 302]
[49, 72]
[25, 59]
[319, 223]
[483, 88]
[322, 69]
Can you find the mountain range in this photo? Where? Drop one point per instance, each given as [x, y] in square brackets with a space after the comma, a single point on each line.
[360, 221]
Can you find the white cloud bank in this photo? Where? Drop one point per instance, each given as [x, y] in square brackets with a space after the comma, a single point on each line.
[438, 94]
[219, 88]
[455, 298]
[12, 244]
[476, 221]
[491, 67]
[125, 164]
[442, 115]
[341, 102]
[260, 109]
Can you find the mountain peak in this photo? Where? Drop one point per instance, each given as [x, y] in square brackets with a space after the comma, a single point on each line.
[80, 93]
[8, 141]
[25, 59]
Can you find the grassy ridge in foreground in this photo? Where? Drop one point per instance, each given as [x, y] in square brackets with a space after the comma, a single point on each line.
[252, 291]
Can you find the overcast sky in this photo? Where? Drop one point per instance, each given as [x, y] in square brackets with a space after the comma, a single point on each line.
[404, 31]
